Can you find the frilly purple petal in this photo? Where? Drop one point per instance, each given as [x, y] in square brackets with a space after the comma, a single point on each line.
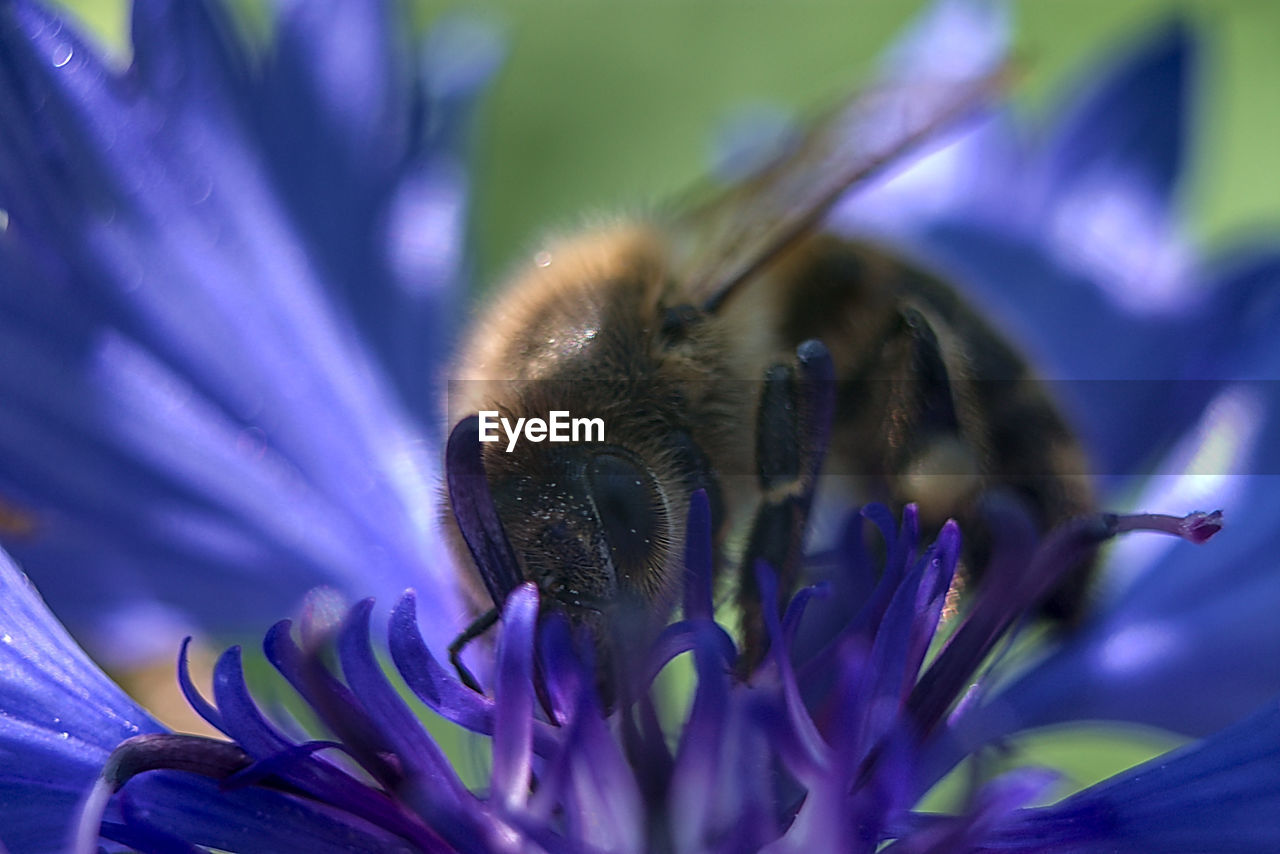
[206, 710]
[699, 560]
[477, 516]
[247, 820]
[513, 698]
[440, 689]
[419, 757]
[256, 734]
[700, 757]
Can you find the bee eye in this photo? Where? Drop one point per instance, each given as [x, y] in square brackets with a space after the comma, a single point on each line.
[627, 503]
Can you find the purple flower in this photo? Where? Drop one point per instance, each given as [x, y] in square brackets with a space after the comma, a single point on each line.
[222, 280]
[824, 749]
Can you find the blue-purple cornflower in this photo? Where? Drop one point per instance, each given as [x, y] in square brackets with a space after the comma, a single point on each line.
[221, 276]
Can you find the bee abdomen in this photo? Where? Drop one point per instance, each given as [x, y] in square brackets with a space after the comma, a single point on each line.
[933, 405]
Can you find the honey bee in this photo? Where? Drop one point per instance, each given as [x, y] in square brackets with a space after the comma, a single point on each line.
[701, 341]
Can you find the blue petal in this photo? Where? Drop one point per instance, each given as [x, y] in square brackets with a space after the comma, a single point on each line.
[252, 821]
[191, 50]
[991, 805]
[336, 91]
[799, 720]
[1247, 276]
[903, 637]
[365, 144]
[952, 38]
[440, 690]
[1135, 122]
[699, 562]
[336, 705]
[967, 168]
[1095, 195]
[701, 799]
[61, 719]
[206, 710]
[1217, 795]
[188, 397]
[475, 513]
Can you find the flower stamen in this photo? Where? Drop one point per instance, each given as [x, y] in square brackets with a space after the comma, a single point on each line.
[996, 610]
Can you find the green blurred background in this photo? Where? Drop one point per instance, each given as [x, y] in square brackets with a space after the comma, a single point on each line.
[605, 104]
[611, 105]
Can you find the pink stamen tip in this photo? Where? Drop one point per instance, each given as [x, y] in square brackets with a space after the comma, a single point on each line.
[1200, 527]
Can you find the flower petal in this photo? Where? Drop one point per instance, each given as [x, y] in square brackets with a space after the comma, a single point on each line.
[189, 397]
[251, 821]
[431, 787]
[1135, 122]
[60, 718]
[513, 698]
[316, 777]
[699, 561]
[1216, 795]
[365, 142]
[477, 517]
[701, 802]
[440, 690]
[588, 779]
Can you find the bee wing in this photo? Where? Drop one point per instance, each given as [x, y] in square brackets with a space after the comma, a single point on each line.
[722, 243]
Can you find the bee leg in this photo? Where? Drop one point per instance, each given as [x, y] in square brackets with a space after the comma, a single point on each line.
[942, 468]
[938, 461]
[792, 431]
[478, 627]
[935, 399]
[1018, 468]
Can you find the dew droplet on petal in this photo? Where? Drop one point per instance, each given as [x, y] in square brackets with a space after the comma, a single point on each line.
[62, 55]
